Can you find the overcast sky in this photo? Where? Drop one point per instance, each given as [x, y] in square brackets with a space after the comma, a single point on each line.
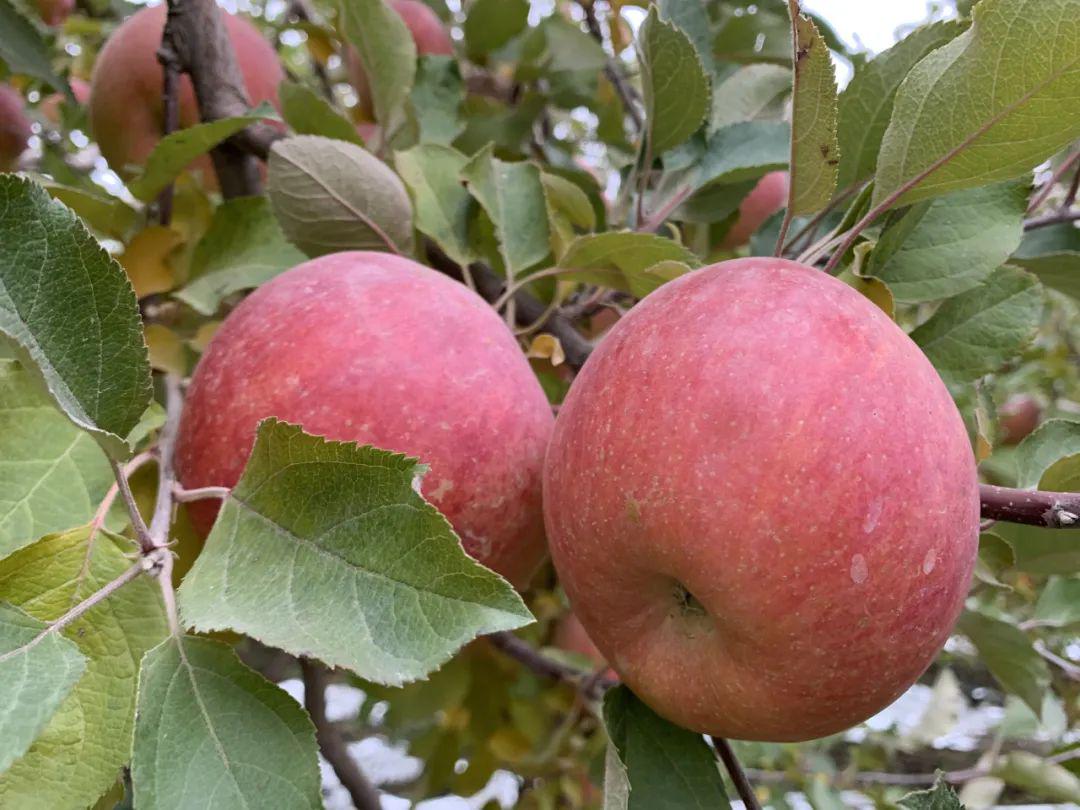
[871, 24]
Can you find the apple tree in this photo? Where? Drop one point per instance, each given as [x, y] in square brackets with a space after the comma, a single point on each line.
[647, 404]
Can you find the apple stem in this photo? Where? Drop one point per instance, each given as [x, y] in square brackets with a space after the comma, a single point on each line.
[735, 770]
[1051, 510]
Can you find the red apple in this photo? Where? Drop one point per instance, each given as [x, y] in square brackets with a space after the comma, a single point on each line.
[50, 105]
[762, 503]
[428, 32]
[126, 111]
[378, 349]
[764, 200]
[1018, 417]
[14, 127]
[54, 12]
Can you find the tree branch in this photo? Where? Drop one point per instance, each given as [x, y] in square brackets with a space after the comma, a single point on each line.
[331, 743]
[611, 69]
[1056, 218]
[170, 66]
[591, 685]
[736, 772]
[1051, 510]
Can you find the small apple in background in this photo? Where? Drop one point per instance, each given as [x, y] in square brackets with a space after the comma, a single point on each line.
[14, 127]
[368, 131]
[762, 503]
[126, 111]
[1018, 417]
[571, 637]
[764, 200]
[428, 32]
[378, 349]
[54, 12]
[50, 105]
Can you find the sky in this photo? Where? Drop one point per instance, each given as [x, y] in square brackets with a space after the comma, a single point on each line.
[865, 22]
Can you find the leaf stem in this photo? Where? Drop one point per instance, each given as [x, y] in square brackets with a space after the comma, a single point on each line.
[142, 533]
[181, 495]
[736, 772]
[1048, 187]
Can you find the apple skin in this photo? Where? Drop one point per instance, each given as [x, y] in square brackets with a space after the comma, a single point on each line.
[50, 105]
[428, 32]
[761, 436]
[54, 12]
[126, 111]
[1017, 417]
[14, 127]
[764, 200]
[378, 349]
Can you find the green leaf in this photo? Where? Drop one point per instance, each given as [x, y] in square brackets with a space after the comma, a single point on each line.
[1008, 654]
[761, 37]
[326, 550]
[387, 51]
[1042, 551]
[1039, 777]
[436, 99]
[331, 195]
[569, 198]
[665, 766]
[867, 102]
[490, 24]
[37, 672]
[625, 260]
[102, 212]
[814, 150]
[175, 151]
[995, 556]
[513, 197]
[25, 50]
[1058, 271]
[989, 105]
[674, 84]
[691, 17]
[748, 93]
[979, 330]
[52, 475]
[308, 113]
[939, 797]
[78, 755]
[441, 203]
[243, 248]
[1051, 442]
[203, 712]
[1059, 602]
[943, 247]
[71, 311]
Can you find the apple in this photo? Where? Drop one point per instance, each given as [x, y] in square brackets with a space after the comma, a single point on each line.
[762, 503]
[54, 12]
[428, 32]
[1018, 417]
[378, 349]
[50, 105]
[14, 127]
[571, 637]
[126, 110]
[764, 200]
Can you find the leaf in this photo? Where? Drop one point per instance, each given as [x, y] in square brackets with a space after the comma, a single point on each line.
[1052, 254]
[1039, 777]
[1008, 654]
[102, 212]
[387, 51]
[866, 104]
[995, 556]
[814, 150]
[436, 99]
[623, 260]
[25, 50]
[989, 105]
[52, 475]
[331, 195]
[979, 330]
[747, 93]
[202, 711]
[441, 203]
[674, 84]
[691, 17]
[72, 314]
[1059, 602]
[326, 550]
[1053, 441]
[513, 197]
[243, 248]
[490, 24]
[146, 259]
[175, 151]
[37, 672]
[1042, 551]
[569, 199]
[78, 755]
[939, 797]
[308, 113]
[943, 247]
[666, 766]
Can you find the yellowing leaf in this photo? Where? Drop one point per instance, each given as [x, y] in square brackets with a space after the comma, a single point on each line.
[547, 347]
[146, 259]
[166, 349]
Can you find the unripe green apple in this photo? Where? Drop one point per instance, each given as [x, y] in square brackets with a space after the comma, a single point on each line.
[14, 127]
[764, 200]
[126, 109]
[762, 503]
[378, 349]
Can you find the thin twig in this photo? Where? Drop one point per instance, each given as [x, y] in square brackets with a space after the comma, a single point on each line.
[736, 772]
[591, 686]
[142, 533]
[1051, 510]
[1048, 187]
[653, 221]
[174, 403]
[110, 497]
[182, 495]
[1056, 218]
[808, 229]
[1071, 670]
[331, 743]
[611, 69]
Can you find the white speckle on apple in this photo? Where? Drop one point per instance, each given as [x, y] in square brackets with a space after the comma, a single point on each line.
[859, 571]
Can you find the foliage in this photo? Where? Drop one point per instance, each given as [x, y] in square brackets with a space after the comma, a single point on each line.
[568, 160]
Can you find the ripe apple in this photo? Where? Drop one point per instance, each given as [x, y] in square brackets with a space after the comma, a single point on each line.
[762, 503]
[14, 127]
[54, 12]
[50, 105]
[378, 349]
[126, 111]
[428, 32]
[764, 200]
[1018, 417]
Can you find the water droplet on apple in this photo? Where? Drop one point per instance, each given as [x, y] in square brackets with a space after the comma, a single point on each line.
[859, 570]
